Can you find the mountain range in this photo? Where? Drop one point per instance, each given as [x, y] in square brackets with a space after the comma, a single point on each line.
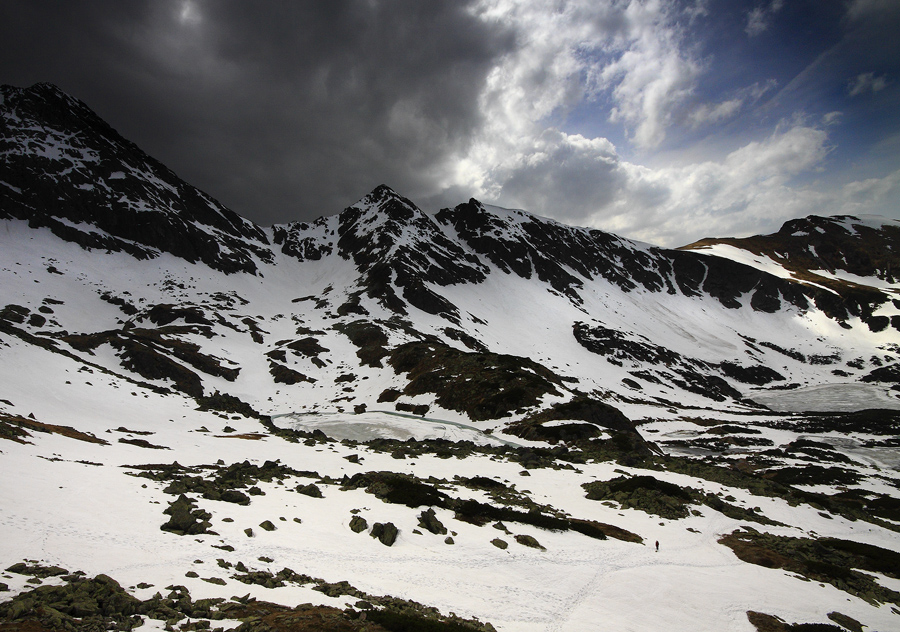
[138, 307]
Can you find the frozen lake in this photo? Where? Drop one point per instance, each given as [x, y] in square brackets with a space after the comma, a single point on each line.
[383, 425]
[845, 398]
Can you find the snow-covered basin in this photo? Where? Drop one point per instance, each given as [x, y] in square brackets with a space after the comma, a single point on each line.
[384, 425]
[845, 398]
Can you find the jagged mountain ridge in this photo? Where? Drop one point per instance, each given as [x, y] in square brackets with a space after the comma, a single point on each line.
[87, 174]
[618, 320]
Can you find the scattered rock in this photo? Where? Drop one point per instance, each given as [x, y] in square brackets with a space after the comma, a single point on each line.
[385, 533]
[234, 496]
[218, 581]
[37, 570]
[358, 524]
[848, 622]
[224, 547]
[500, 544]
[428, 521]
[185, 518]
[527, 540]
[312, 490]
[267, 525]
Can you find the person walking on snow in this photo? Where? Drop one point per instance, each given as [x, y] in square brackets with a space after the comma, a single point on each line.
[657, 546]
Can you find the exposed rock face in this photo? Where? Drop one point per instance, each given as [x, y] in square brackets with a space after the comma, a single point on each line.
[67, 169]
[566, 256]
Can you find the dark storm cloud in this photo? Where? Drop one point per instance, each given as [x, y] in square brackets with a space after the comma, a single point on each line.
[282, 110]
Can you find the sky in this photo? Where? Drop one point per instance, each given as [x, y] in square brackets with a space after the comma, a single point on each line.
[659, 120]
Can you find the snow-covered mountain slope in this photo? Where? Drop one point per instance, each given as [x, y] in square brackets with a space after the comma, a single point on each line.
[411, 370]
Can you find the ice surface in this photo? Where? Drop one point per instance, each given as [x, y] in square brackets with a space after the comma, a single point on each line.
[829, 398]
[384, 425]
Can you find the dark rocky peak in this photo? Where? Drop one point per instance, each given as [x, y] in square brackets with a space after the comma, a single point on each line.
[815, 248]
[45, 102]
[378, 224]
[64, 167]
[393, 242]
[866, 246]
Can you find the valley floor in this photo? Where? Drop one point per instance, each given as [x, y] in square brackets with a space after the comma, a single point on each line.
[84, 506]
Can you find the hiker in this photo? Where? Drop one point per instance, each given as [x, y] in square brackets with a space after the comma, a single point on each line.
[657, 546]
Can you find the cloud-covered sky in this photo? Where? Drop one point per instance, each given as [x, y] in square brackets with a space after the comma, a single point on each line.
[660, 120]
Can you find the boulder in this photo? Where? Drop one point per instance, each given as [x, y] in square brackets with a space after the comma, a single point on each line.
[385, 533]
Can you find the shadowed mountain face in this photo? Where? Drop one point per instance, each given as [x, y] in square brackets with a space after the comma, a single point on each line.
[65, 168]
[487, 298]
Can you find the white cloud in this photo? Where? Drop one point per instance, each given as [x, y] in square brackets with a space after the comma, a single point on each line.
[747, 189]
[633, 53]
[866, 9]
[865, 83]
[871, 196]
[760, 17]
[707, 113]
[628, 59]
[632, 58]
[648, 82]
[756, 22]
[832, 118]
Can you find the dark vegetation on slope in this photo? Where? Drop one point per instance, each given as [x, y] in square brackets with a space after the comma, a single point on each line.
[482, 385]
[8, 325]
[768, 623]
[596, 415]
[147, 352]
[405, 489]
[690, 374]
[876, 421]
[100, 603]
[665, 499]
[15, 428]
[837, 562]
[369, 338]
